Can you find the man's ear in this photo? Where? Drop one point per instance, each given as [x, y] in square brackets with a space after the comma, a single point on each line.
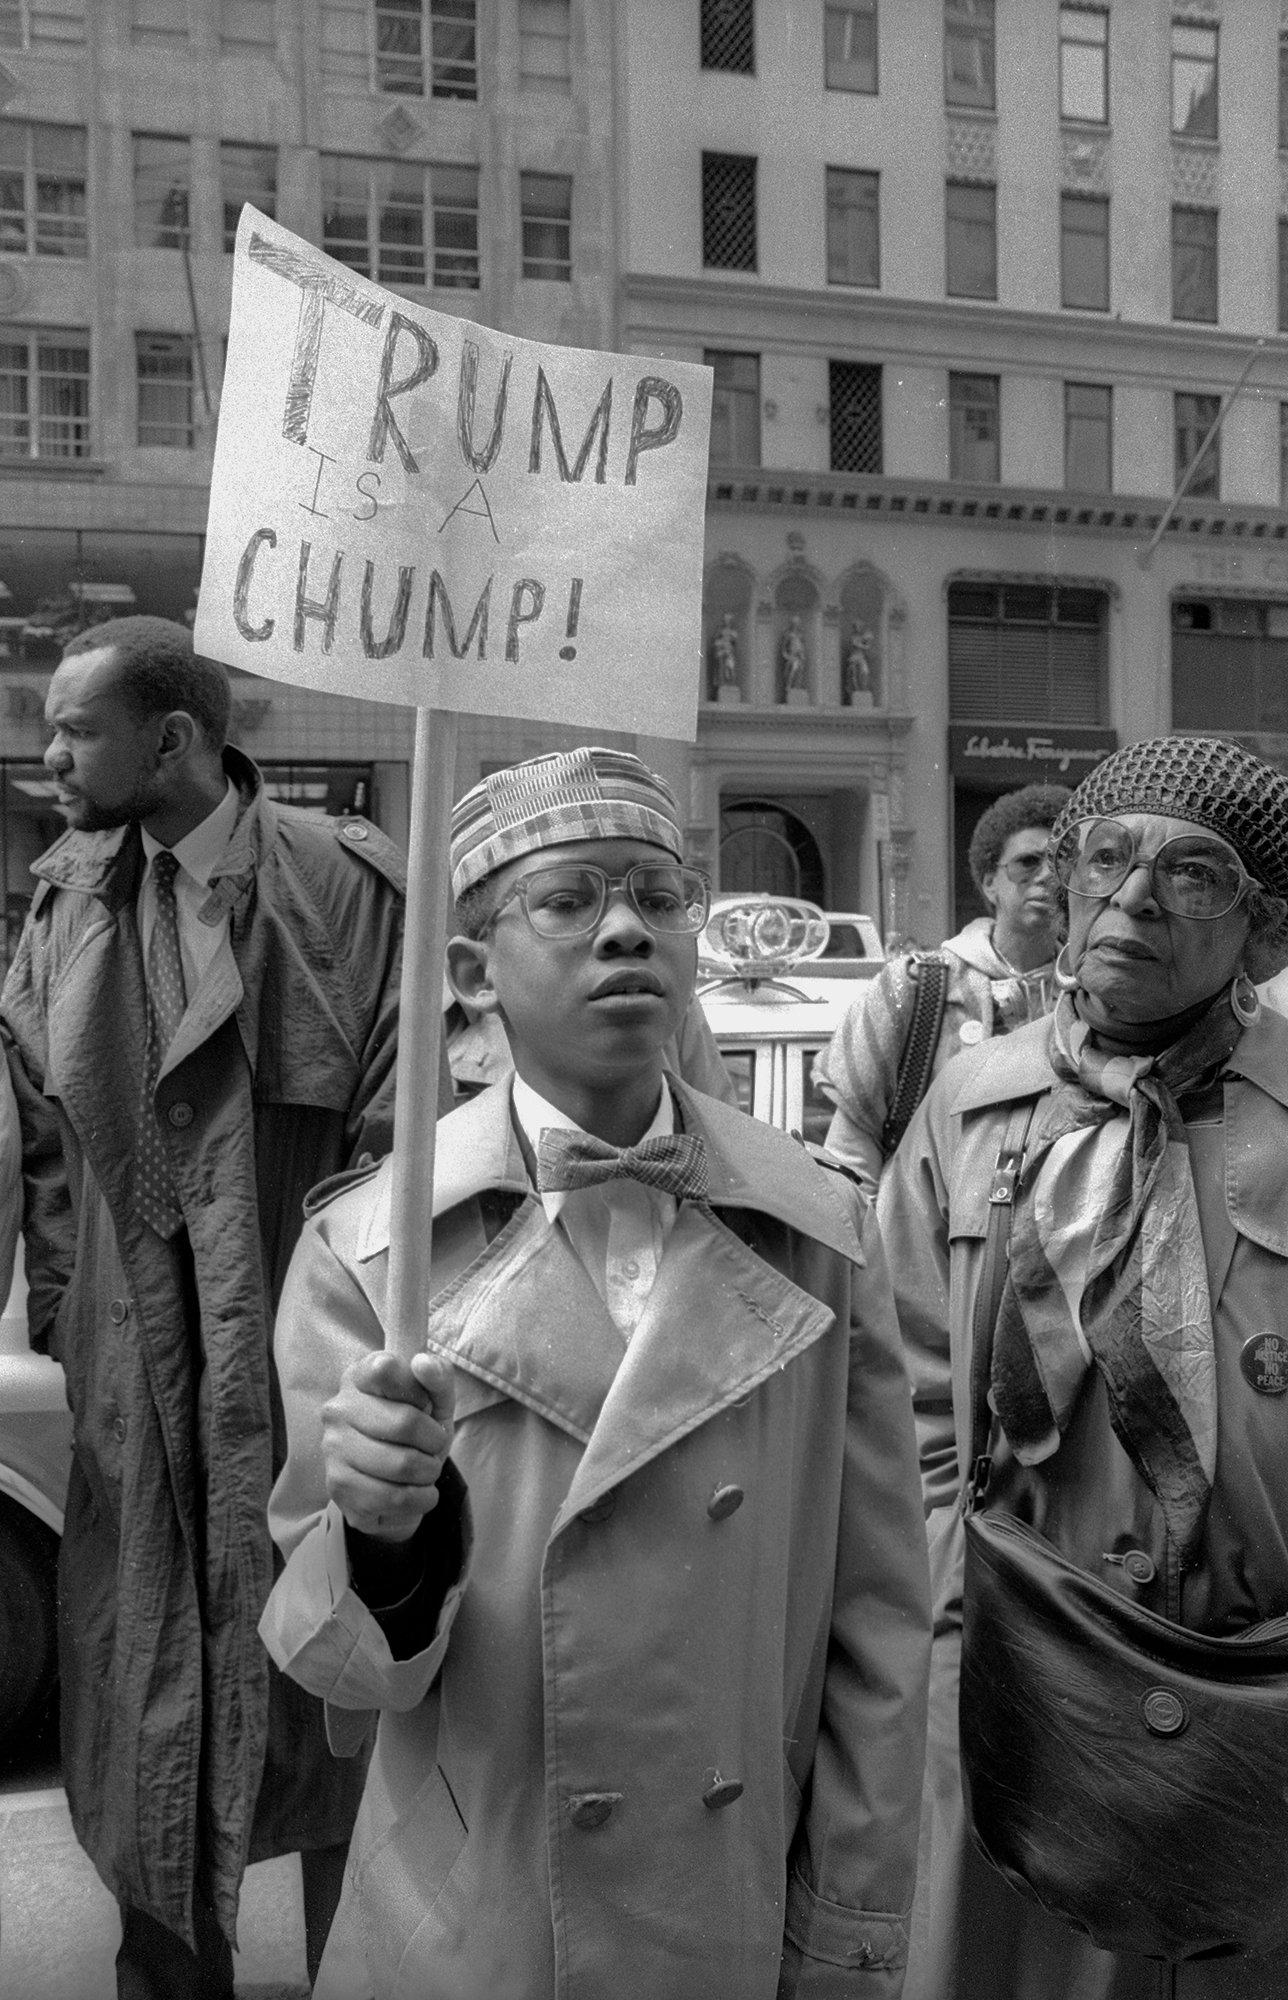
[176, 734]
[988, 891]
[469, 973]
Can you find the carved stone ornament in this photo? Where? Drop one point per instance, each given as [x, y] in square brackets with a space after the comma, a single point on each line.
[13, 288]
[399, 129]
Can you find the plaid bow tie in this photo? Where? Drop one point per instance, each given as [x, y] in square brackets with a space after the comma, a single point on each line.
[675, 1163]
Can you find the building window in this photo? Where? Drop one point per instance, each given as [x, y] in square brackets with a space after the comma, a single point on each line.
[164, 362]
[853, 233]
[729, 35]
[408, 32]
[850, 47]
[1084, 65]
[42, 190]
[1194, 81]
[162, 177]
[729, 211]
[974, 428]
[971, 212]
[247, 27]
[1026, 653]
[246, 174]
[44, 394]
[1194, 263]
[1084, 251]
[1283, 274]
[545, 47]
[1229, 665]
[854, 401]
[735, 408]
[374, 215]
[1195, 416]
[1088, 437]
[455, 194]
[158, 23]
[545, 202]
[968, 53]
[1283, 454]
[44, 26]
[1283, 89]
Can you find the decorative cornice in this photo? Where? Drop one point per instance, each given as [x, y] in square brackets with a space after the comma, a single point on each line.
[943, 333]
[847, 496]
[728, 717]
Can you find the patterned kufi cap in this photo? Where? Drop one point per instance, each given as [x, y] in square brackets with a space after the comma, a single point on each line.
[1201, 778]
[592, 794]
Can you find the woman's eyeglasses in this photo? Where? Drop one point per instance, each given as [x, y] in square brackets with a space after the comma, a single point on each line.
[1192, 875]
[569, 901]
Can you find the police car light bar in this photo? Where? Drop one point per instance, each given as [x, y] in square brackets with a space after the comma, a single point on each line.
[757, 937]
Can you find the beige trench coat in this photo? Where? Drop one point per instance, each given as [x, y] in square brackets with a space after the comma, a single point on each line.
[973, 1935]
[616, 1633]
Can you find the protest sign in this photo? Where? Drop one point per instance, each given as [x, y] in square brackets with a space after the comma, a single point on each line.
[415, 508]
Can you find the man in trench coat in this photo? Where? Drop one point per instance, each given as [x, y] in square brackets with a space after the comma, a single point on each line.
[650, 1655]
[185, 1754]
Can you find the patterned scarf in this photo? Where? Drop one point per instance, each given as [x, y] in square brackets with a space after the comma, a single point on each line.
[1107, 1265]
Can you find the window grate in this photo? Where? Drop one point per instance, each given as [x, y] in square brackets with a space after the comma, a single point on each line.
[729, 35]
[44, 394]
[854, 389]
[1035, 655]
[729, 211]
[164, 364]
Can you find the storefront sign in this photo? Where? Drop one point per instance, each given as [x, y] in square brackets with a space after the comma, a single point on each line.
[415, 508]
[1016, 754]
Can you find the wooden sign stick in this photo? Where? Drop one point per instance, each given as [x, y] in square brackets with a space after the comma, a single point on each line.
[420, 1031]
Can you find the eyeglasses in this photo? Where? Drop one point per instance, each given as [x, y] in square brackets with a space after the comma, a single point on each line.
[1192, 875]
[1026, 867]
[569, 901]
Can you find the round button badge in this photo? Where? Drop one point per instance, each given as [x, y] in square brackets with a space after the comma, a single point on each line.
[970, 1032]
[1264, 1361]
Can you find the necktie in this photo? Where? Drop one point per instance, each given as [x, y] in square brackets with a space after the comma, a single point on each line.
[167, 1000]
[674, 1163]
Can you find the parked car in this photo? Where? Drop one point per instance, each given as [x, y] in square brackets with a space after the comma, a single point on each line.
[776, 976]
[35, 1454]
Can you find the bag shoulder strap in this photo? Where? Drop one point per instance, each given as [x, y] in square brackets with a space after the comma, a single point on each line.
[988, 1298]
[928, 972]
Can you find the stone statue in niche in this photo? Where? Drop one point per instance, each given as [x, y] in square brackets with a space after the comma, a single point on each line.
[724, 652]
[794, 660]
[859, 692]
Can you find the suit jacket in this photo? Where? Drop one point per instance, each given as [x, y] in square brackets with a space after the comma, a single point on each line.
[667, 1735]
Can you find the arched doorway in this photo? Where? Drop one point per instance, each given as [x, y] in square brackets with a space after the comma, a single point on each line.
[764, 847]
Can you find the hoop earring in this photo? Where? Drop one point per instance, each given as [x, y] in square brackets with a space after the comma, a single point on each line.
[1065, 979]
[1245, 1001]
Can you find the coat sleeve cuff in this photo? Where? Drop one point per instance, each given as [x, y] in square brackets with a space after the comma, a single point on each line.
[857, 1940]
[319, 1631]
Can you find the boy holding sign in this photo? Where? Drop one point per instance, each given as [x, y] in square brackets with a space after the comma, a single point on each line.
[649, 1647]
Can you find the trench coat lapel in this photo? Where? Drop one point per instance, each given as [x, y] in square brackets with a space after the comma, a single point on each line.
[719, 1320]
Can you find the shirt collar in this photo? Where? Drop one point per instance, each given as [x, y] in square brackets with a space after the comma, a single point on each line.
[535, 1115]
[199, 852]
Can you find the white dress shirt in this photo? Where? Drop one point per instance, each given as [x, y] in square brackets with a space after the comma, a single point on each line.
[198, 855]
[617, 1228]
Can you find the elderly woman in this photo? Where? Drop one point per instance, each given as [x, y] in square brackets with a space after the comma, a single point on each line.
[1141, 1341]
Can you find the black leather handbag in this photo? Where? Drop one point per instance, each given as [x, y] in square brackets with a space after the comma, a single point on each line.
[1128, 1774]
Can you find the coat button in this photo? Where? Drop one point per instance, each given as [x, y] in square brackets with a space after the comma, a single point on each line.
[599, 1510]
[355, 830]
[118, 1430]
[726, 1500]
[720, 1791]
[119, 1311]
[590, 1809]
[180, 1116]
[1164, 1712]
[1139, 1567]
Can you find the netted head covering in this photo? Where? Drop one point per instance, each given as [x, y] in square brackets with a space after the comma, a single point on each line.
[1201, 778]
[592, 794]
